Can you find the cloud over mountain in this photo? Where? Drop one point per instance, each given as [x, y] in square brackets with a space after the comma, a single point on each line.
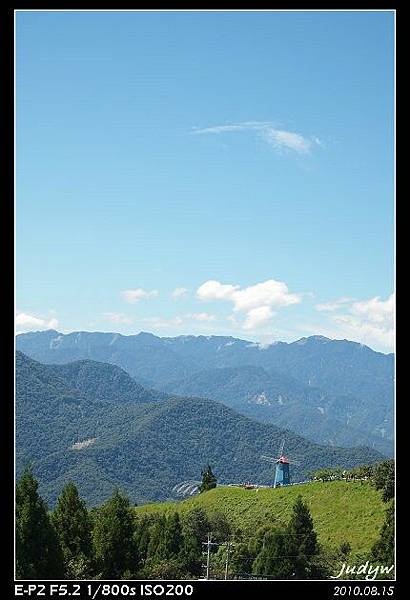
[255, 301]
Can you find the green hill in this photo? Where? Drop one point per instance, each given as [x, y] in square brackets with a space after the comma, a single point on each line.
[341, 510]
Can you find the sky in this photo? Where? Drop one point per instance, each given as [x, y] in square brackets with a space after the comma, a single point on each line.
[206, 173]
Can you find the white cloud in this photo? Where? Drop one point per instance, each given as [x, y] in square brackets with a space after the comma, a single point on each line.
[27, 322]
[366, 332]
[179, 292]
[279, 139]
[376, 310]
[268, 293]
[213, 290]
[255, 301]
[118, 318]
[258, 317]
[132, 296]
[369, 322]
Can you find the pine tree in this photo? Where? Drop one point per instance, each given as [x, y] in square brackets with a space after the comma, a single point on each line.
[38, 553]
[112, 536]
[72, 524]
[208, 480]
[303, 545]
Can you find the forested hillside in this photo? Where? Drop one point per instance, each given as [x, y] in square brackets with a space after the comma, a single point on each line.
[142, 445]
[333, 391]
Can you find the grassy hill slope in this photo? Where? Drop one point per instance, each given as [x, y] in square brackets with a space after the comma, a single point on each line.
[341, 510]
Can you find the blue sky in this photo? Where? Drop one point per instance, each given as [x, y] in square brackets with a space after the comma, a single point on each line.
[244, 159]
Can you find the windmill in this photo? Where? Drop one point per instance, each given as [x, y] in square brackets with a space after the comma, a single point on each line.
[282, 473]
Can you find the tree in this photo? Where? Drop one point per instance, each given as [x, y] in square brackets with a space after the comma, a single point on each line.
[291, 552]
[165, 553]
[208, 480]
[241, 559]
[195, 527]
[383, 479]
[345, 549]
[156, 534]
[303, 545]
[383, 550]
[142, 536]
[220, 526]
[164, 569]
[113, 541]
[171, 540]
[273, 560]
[72, 524]
[38, 553]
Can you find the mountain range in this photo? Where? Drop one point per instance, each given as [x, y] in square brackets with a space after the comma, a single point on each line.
[333, 392]
[92, 423]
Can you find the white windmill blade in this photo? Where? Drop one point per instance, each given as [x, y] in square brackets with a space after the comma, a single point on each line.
[282, 447]
[295, 462]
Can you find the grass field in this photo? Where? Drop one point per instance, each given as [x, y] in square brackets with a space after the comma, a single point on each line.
[341, 510]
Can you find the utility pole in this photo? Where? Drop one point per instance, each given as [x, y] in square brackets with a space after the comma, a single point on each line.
[228, 553]
[208, 543]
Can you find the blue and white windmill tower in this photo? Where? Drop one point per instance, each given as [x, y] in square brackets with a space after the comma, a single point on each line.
[282, 472]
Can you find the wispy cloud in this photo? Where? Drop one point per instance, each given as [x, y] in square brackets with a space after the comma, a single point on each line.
[180, 320]
[132, 296]
[279, 139]
[117, 318]
[202, 316]
[162, 323]
[179, 292]
[335, 305]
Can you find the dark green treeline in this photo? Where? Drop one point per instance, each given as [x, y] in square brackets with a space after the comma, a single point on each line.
[113, 542]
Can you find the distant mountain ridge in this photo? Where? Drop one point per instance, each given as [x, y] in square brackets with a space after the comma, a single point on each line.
[72, 425]
[336, 391]
[276, 398]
